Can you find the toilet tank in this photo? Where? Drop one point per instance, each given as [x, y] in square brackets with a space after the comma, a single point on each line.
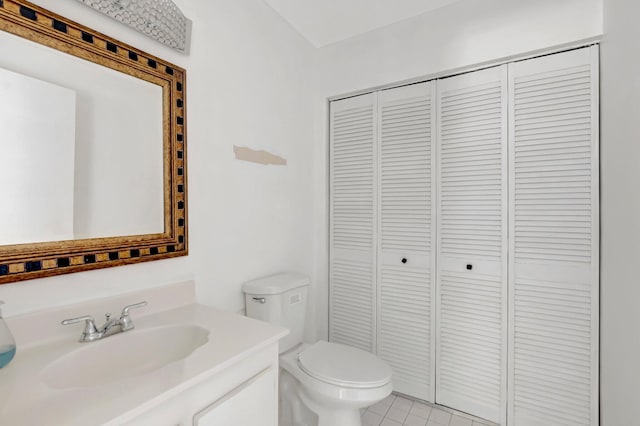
[279, 299]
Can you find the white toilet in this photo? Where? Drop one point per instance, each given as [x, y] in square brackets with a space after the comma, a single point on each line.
[330, 380]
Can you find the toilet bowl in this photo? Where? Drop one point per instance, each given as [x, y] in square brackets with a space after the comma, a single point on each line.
[323, 383]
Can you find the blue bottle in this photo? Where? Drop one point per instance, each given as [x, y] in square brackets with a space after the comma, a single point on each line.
[7, 342]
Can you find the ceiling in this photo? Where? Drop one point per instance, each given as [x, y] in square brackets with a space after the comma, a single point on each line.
[327, 21]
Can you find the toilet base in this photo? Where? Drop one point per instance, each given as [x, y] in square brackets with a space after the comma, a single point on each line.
[292, 411]
[332, 416]
[344, 418]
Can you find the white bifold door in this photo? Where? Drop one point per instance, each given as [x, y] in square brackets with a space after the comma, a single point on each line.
[406, 253]
[464, 237]
[471, 301]
[352, 304]
[382, 229]
[553, 269]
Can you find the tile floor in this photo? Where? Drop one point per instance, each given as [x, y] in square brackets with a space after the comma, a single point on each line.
[398, 411]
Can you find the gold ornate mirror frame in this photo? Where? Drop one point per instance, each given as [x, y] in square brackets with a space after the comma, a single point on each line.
[35, 260]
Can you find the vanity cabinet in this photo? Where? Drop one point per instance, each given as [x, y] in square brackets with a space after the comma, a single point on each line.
[243, 394]
[256, 393]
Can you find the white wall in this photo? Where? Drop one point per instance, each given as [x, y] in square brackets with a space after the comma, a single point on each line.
[246, 78]
[620, 215]
[460, 35]
[464, 33]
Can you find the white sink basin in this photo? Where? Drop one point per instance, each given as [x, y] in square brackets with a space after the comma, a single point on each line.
[124, 355]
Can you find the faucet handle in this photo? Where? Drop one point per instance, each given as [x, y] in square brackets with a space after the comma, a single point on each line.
[125, 310]
[125, 320]
[90, 331]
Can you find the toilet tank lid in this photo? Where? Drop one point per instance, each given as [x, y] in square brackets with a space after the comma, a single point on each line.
[276, 283]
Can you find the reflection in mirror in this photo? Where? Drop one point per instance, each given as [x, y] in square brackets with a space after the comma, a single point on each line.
[115, 164]
[93, 140]
[37, 177]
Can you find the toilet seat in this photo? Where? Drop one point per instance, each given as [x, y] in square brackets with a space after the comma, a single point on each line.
[343, 365]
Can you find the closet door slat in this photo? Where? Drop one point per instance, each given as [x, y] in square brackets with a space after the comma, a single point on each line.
[353, 162]
[406, 226]
[472, 213]
[553, 269]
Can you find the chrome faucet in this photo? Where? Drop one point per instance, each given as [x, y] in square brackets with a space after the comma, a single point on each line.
[110, 327]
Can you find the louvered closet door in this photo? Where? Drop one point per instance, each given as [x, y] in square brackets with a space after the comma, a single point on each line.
[352, 222]
[554, 265]
[406, 285]
[472, 210]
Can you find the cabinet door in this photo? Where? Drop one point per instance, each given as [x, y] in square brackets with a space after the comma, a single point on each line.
[553, 355]
[252, 403]
[353, 221]
[406, 282]
[472, 247]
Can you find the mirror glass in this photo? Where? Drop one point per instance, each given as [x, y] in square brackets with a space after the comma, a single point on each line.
[82, 145]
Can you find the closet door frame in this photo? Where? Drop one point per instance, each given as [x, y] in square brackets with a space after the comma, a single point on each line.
[508, 270]
[595, 232]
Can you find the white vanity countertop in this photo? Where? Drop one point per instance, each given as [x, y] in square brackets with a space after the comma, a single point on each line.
[25, 399]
